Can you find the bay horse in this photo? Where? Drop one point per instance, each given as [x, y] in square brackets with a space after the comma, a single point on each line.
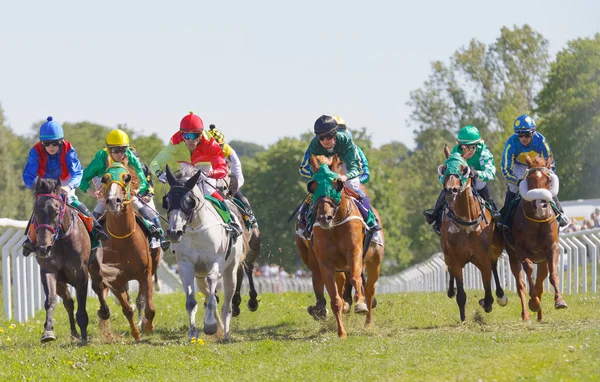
[204, 248]
[63, 249]
[252, 235]
[126, 249]
[468, 234]
[535, 232]
[337, 241]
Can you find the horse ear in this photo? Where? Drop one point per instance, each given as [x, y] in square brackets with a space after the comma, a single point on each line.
[104, 179]
[127, 178]
[338, 184]
[335, 162]
[442, 169]
[57, 185]
[549, 161]
[170, 177]
[446, 150]
[191, 182]
[311, 187]
[464, 170]
[529, 161]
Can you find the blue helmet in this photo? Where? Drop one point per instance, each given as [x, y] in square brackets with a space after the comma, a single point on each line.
[524, 123]
[51, 131]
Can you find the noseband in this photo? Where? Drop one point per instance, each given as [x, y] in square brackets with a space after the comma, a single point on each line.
[188, 212]
[61, 214]
[545, 171]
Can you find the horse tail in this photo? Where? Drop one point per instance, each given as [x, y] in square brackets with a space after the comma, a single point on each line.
[109, 272]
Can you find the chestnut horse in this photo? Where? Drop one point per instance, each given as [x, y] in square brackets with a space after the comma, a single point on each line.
[127, 249]
[337, 242]
[63, 248]
[535, 232]
[468, 234]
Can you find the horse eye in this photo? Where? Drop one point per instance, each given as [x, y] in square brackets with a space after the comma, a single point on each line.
[188, 203]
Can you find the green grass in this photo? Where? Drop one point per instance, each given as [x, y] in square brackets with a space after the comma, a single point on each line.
[415, 337]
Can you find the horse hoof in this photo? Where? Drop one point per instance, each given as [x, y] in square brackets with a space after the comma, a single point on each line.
[502, 301]
[193, 334]
[210, 329]
[235, 311]
[534, 305]
[560, 304]
[346, 308]
[451, 293]
[48, 336]
[374, 303]
[317, 313]
[253, 305]
[361, 308]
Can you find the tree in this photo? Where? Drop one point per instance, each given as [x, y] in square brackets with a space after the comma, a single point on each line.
[246, 149]
[569, 106]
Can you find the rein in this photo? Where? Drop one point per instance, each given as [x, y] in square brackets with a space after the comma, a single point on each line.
[336, 207]
[467, 223]
[535, 220]
[61, 214]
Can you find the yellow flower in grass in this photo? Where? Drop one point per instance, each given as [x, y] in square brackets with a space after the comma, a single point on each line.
[12, 326]
[1, 330]
[200, 341]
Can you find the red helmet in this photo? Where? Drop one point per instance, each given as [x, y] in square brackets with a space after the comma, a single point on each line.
[191, 123]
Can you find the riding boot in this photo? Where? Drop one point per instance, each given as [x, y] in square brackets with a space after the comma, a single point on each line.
[485, 194]
[564, 220]
[149, 215]
[97, 230]
[248, 214]
[28, 246]
[164, 243]
[431, 215]
[504, 221]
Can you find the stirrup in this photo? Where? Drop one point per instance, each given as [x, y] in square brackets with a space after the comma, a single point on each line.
[28, 248]
[164, 244]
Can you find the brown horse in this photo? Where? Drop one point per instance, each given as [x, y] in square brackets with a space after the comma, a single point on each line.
[468, 234]
[337, 242]
[127, 249]
[535, 232]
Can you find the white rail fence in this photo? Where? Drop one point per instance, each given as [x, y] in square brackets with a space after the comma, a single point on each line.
[24, 296]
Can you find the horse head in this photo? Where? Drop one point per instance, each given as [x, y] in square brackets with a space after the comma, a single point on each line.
[183, 198]
[117, 186]
[455, 176]
[48, 213]
[326, 188]
[539, 185]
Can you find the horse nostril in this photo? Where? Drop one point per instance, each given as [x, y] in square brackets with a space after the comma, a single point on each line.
[118, 201]
[329, 218]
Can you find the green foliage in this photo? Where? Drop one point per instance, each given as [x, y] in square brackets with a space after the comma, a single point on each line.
[415, 337]
[246, 149]
[570, 108]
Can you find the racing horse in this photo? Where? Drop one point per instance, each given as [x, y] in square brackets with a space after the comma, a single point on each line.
[468, 234]
[204, 248]
[63, 249]
[535, 232]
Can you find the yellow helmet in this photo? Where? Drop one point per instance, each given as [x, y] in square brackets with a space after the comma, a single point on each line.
[341, 123]
[117, 138]
[216, 134]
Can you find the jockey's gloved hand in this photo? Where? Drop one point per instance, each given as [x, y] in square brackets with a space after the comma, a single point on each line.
[66, 188]
[474, 173]
[162, 177]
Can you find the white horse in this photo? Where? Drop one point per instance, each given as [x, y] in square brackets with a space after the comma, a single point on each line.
[203, 247]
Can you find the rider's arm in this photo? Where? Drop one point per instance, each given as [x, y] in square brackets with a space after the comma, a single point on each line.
[96, 167]
[305, 170]
[165, 156]
[364, 174]
[236, 167]
[508, 160]
[31, 168]
[546, 152]
[75, 169]
[486, 162]
[348, 152]
[217, 161]
[135, 163]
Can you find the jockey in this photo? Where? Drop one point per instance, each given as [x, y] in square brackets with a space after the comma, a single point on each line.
[117, 150]
[236, 170]
[54, 157]
[333, 138]
[482, 169]
[525, 142]
[192, 144]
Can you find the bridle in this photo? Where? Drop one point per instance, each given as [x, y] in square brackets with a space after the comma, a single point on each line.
[335, 205]
[452, 215]
[545, 171]
[61, 214]
[126, 187]
[188, 211]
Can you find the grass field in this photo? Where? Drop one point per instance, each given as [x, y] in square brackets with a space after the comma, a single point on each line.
[415, 337]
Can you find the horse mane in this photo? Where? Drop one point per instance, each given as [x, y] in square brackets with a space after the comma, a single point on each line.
[334, 164]
[46, 186]
[538, 161]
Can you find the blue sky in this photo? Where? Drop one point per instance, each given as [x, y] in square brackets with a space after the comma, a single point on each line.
[259, 70]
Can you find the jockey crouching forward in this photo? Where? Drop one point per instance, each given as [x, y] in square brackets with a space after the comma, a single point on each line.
[192, 144]
[525, 142]
[237, 179]
[332, 138]
[482, 169]
[54, 157]
[117, 150]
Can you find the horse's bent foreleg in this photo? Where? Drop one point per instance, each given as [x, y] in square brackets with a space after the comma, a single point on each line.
[69, 304]
[515, 267]
[336, 301]
[534, 301]
[237, 297]
[49, 284]
[319, 310]
[451, 289]
[128, 312]
[344, 285]
[501, 297]
[559, 303]
[253, 302]
[485, 267]
[542, 273]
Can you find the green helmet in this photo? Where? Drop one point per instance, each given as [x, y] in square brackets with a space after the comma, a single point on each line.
[468, 135]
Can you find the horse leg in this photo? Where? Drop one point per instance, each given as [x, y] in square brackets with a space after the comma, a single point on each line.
[534, 301]
[49, 284]
[128, 312]
[210, 322]
[336, 301]
[253, 302]
[140, 305]
[186, 273]
[357, 281]
[542, 273]
[485, 267]
[373, 270]
[461, 296]
[319, 310]
[501, 298]
[516, 269]
[237, 298]
[81, 293]
[69, 304]
[229, 283]
[344, 284]
[451, 289]
[149, 310]
[559, 303]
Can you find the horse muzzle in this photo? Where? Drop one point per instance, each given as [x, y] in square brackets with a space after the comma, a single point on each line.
[44, 251]
[175, 236]
[325, 221]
